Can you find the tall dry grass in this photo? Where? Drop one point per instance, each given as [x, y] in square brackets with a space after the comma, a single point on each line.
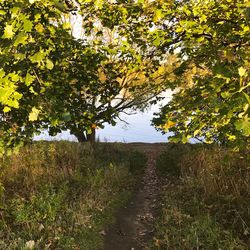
[60, 195]
[207, 204]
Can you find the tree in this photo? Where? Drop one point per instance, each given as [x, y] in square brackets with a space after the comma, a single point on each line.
[59, 82]
[93, 86]
[213, 41]
[27, 36]
[100, 75]
[63, 83]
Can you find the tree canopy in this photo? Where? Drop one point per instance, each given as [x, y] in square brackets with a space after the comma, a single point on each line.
[212, 82]
[27, 35]
[91, 87]
[50, 79]
[127, 53]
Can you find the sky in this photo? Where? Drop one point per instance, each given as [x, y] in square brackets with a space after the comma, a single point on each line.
[139, 128]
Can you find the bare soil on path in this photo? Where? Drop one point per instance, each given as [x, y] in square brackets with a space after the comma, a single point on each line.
[134, 226]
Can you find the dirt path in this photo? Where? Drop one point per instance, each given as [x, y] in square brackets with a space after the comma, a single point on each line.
[134, 225]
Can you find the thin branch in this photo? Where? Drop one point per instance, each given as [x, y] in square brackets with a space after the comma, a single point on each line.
[122, 120]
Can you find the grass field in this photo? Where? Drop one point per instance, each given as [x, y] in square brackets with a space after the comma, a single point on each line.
[206, 199]
[61, 195]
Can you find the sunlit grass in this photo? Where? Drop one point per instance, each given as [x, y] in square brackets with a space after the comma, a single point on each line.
[61, 195]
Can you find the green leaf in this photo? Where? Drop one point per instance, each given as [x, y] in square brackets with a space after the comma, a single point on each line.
[2, 73]
[2, 12]
[243, 125]
[29, 79]
[225, 94]
[157, 41]
[21, 39]
[27, 25]
[247, 97]
[66, 116]
[14, 77]
[38, 57]
[49, 64]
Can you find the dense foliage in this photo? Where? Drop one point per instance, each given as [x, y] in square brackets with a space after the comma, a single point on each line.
[50, 79]
[28, 36]
[212, 85]
[124, 51]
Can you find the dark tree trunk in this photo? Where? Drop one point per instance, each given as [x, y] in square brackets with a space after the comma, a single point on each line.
[91, 137]
[80, 137]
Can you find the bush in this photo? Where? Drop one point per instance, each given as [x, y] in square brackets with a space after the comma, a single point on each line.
[167, 163]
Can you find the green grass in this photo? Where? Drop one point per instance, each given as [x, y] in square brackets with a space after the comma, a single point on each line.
[206, 204]
[62, 195]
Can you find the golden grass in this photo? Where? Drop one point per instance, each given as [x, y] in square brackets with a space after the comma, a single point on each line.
[60, 195]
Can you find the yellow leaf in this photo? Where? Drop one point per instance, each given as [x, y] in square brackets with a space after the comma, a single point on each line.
[231, 137]
[39, 28]
[99, 4]
[161, 70]
[242, 71]
[168, 125]
[119, 80]
[34, 114]
[6, 109]
[8, 31]
[158, 15]
[102, 76]
[194, 70]
[66, 26]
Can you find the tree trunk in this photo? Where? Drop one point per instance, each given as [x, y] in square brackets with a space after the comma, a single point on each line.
[80, 137]
[91, 137]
